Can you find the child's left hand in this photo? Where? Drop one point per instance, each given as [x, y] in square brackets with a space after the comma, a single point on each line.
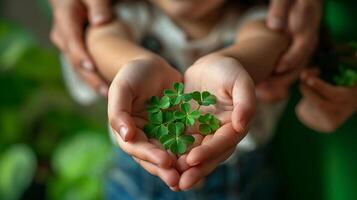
[324, 107]
[234, 90]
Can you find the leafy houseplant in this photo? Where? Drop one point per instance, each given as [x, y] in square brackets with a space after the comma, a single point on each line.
[171, 114]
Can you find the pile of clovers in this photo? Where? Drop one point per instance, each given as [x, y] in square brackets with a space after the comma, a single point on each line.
[170, 115]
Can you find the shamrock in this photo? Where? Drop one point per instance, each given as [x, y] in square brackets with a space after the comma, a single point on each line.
[205, 98]
[172, 114]
[155, 105]
[177, 96]
[176, 141]
[156, 128]
[208, 124]
[186, 115]
[346, 77]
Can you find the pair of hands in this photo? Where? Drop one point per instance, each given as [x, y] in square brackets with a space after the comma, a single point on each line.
[140, 79]
[300, 18]
[324, 107]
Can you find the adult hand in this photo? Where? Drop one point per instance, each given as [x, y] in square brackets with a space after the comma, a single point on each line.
[324, 107]
[69, 19]
[300, 18]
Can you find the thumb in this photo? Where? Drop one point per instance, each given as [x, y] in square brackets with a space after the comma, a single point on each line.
[244, 102]
[99, 11]
[119, 110]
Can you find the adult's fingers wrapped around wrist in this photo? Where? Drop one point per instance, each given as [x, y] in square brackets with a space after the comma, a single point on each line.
[278, 12]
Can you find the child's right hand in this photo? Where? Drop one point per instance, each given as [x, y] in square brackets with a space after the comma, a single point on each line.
[133, 85]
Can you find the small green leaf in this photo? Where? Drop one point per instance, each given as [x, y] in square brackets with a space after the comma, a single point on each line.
[195, 114]
[214, 124]
[186, 107]
[155, 118]
[169, 93]
[205, 129]
[187, 139]
[187, 97]
[180, 115]
[190, 121]
[169, 116]
[197, 97]
[162, 130]
[167, 140]
[150, 130]
[178, 87]
[176, 128]
[165, 102]
[178, 147]
[208, 98]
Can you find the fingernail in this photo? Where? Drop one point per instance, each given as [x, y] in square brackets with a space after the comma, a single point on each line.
[123, 132]
[276, 23]
[103, 90]
[310, 82]
[99, 19]
[87, 65]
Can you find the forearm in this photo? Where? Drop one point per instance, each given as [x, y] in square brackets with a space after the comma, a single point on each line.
[111, 46]
[258, 49]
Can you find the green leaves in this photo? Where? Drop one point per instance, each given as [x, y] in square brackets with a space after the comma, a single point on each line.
[208, 124]
[175, 140]
[155, 105]
[170, 115]
[205, 98]
[186, 115]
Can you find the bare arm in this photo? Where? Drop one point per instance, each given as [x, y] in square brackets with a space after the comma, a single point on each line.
[258, 49]
[112, 46]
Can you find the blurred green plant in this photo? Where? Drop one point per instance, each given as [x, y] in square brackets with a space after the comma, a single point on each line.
[35, 110]
[17, 168]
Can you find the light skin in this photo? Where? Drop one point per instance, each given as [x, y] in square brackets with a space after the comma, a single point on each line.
[138, 74]
[301, 19]
[71, 15]
[69, 18]
[324, 107]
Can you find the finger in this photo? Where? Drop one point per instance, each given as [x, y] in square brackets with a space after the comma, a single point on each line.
[194, 174]
[56, 38]
[244, 101]
[278, 12]
[140, 148]
[297, 54]
[309, 72]
[312, 96]
[95, 82]
[71, 21]
[169, 175]
[99, 11]
[120, 101]
[181, 164]
[224, 138]
[326, 90]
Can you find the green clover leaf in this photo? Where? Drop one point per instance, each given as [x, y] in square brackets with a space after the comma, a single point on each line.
[156, 128]
[176, 141]
[186, 115]
[205, 98]
[208, 124]
[177, 96]
[155, 105]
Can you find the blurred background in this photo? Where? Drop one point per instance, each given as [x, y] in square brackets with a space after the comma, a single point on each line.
[53, 148]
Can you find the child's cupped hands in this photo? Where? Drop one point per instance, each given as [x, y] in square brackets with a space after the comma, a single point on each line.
[324, 107]
[235, 106]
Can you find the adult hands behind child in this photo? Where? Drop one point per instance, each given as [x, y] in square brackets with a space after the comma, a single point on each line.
[324, 107]
[300, 18]
[69, 19]
[234, 90]
[133, 85]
